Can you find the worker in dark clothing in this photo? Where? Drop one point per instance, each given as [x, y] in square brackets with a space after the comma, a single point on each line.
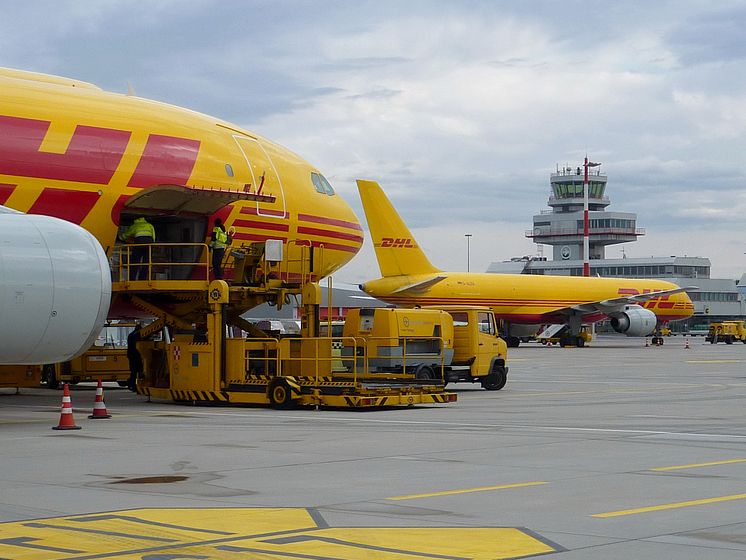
[134, 358]
[218, 242]
[141, 233]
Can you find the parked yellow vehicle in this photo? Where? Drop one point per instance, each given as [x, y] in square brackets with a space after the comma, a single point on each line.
[727, 331]
[105, 360]
[449, 343]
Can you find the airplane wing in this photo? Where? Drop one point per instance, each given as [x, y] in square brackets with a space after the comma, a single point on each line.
[420, 286]
[608, 306]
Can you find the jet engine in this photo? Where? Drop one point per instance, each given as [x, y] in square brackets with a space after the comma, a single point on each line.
[55, 289]
[634, 321]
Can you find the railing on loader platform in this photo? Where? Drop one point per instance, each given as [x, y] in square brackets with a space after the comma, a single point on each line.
[352, 358]
[154, 262]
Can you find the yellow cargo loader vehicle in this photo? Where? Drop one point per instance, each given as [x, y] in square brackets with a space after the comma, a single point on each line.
[447, 344]
[727, 331]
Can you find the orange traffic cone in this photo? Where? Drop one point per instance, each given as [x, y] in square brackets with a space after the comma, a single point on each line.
[67, 422]
[99, 408]
[686, 344]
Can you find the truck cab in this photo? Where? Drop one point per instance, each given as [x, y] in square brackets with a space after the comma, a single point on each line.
[479, 353]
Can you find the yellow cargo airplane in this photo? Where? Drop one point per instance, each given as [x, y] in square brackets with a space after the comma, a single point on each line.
[71, 151]
[521, 301]
[95, 158]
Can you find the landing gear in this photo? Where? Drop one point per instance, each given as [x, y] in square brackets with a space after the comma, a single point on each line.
[48, 375]
[512, 341]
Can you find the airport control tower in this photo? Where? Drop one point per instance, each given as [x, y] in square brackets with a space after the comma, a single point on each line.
[562, 226]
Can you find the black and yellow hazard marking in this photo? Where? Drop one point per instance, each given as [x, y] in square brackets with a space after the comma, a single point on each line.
[278, 533]
[188, 396]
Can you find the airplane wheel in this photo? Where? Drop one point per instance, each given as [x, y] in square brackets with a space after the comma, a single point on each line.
[280, 395]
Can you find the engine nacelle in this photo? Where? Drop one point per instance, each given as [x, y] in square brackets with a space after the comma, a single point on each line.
[55, 289]
[634, 321]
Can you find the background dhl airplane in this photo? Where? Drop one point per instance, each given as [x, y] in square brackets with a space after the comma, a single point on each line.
[71, 153]
[522, 301]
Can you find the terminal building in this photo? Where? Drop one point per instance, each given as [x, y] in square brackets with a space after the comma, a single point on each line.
[562, 229]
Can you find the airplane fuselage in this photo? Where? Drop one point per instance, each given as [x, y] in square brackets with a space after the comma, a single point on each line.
[527, 298]
[70, 150]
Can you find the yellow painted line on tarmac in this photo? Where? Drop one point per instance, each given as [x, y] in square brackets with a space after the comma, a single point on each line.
[713, 361]
[675, 505]
[695, 465]
[466, 491]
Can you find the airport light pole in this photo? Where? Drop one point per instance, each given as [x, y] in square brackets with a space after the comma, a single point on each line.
[468, 243]
[586, 237]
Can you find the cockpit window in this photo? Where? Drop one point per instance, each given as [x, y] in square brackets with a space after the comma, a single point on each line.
[321, 184]
[316, 178]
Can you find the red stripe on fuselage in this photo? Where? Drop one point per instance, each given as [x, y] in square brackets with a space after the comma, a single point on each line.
[335, 247]
[69, 205]
[5, 191]
[265, 212]
[258, 237]
[332, 234]
[329, 221]
[166, 160]
[253, 224]
[92, 156]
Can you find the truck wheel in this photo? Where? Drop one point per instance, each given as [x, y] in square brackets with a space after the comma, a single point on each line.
[280, 396]
[424, 373]
[49, 377]
[579, 341]
[496, 380]
[729, 340]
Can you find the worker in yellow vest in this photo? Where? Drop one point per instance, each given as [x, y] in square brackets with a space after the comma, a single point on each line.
[219, 241]
[141, 233]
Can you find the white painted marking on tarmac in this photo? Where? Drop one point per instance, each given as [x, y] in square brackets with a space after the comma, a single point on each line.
[471, 425]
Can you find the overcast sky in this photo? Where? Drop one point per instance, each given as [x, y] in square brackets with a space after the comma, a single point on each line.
[460, 109]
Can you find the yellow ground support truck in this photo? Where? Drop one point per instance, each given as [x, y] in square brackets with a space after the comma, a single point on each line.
[448, 344]
[727, 331]
[20, 376]
[105, 360]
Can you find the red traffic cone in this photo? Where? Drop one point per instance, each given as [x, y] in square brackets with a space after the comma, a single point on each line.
[99, 408]
[67, 422]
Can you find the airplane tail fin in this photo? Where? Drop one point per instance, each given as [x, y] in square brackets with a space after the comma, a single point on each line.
[396, 249]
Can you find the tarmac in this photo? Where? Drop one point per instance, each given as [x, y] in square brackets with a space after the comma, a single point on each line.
[613, 451]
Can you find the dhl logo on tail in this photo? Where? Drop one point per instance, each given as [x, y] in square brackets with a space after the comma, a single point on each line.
[398, 242]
